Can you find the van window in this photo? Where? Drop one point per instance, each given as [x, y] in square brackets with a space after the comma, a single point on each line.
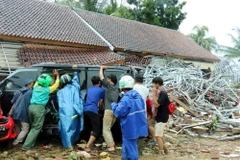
[16, 81]
[117, 73]
[83, 80]
[92, 73]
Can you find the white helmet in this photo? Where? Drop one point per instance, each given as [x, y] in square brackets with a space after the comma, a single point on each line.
[126, 82]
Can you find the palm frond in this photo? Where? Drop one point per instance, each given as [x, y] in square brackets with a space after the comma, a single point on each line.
[228, 50]
[233, 55]
[234, 40]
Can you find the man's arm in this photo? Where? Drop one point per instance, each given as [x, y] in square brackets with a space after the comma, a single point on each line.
[105, 83]
[100, 104]
[121, 109]
[16, 95]
[155, 98]
[101, 75]
[56, 84]
[160, 100]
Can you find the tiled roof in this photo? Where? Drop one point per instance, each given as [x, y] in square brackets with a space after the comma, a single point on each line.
[135, 60]
[39, 20]
[136, 36]
[34, 54]
[47, 21]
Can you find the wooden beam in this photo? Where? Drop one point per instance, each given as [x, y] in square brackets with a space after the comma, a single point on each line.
[54, 47]
[179, 56]
[183, 105]
[44, 41]
[170, 55]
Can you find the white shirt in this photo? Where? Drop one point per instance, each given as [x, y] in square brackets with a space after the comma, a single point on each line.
[143, 91]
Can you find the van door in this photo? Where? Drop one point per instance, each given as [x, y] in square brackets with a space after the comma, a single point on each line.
[14, 82]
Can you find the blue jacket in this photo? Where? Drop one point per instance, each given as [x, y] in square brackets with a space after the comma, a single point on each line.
[131, 111]
[17, 94]
[20, 112]
[70, 112]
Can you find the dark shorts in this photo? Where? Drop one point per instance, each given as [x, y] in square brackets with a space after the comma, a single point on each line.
[92, 123]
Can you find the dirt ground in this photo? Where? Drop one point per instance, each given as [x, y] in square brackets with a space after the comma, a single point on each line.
[184, 148]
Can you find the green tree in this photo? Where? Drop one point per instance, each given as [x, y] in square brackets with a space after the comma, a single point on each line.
[235, 50]
[170, 13]
[199, 35]
[90, 5]
[70, 3]
[122, 12]
[148, 13]
[164, 13]
[111, 8]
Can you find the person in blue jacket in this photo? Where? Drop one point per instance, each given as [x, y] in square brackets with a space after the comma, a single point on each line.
[21, 100]
[131, 111]
[70, 110]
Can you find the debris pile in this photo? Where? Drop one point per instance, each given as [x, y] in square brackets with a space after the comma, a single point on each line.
[206, 100]
[230, 71]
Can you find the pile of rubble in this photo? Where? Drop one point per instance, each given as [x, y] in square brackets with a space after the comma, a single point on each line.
[207, 101]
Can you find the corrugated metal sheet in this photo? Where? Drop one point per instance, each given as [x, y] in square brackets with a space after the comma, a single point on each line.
[8, 57]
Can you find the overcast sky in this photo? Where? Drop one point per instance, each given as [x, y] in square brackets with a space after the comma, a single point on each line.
[220, 16]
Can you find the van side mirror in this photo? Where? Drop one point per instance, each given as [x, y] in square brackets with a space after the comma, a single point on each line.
[9, 85]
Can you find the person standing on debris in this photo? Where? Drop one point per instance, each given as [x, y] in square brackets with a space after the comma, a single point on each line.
[131, 111]
[21, 102]
[70, 112]
[160, 102]
[143, 91]
[93, 101]
[37, 111]
[111, 95]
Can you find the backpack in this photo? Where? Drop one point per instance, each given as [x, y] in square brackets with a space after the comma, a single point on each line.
[171, 108]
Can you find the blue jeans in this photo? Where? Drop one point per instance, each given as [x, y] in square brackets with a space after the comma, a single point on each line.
[129, 149]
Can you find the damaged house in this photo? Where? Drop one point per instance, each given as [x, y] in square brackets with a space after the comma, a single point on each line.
[33, 32]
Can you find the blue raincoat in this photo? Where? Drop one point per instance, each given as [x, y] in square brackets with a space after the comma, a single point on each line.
[18, 93]
[131, 111]
[70, 112]
[20, 112]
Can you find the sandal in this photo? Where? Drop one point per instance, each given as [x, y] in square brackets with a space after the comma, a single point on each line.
[88, 150]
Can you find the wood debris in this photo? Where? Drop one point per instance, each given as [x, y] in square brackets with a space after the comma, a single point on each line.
[210, 98]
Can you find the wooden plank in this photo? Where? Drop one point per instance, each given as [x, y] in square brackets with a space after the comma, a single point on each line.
[200, 129]
[23, 39]
[235, 130]
[175, 99]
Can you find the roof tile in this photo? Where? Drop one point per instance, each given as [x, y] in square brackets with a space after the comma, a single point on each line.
[42, 20]
[42, 53]
[46, 21]
[140, 37]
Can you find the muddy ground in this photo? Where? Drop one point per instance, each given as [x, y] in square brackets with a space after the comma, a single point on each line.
[184, 148]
